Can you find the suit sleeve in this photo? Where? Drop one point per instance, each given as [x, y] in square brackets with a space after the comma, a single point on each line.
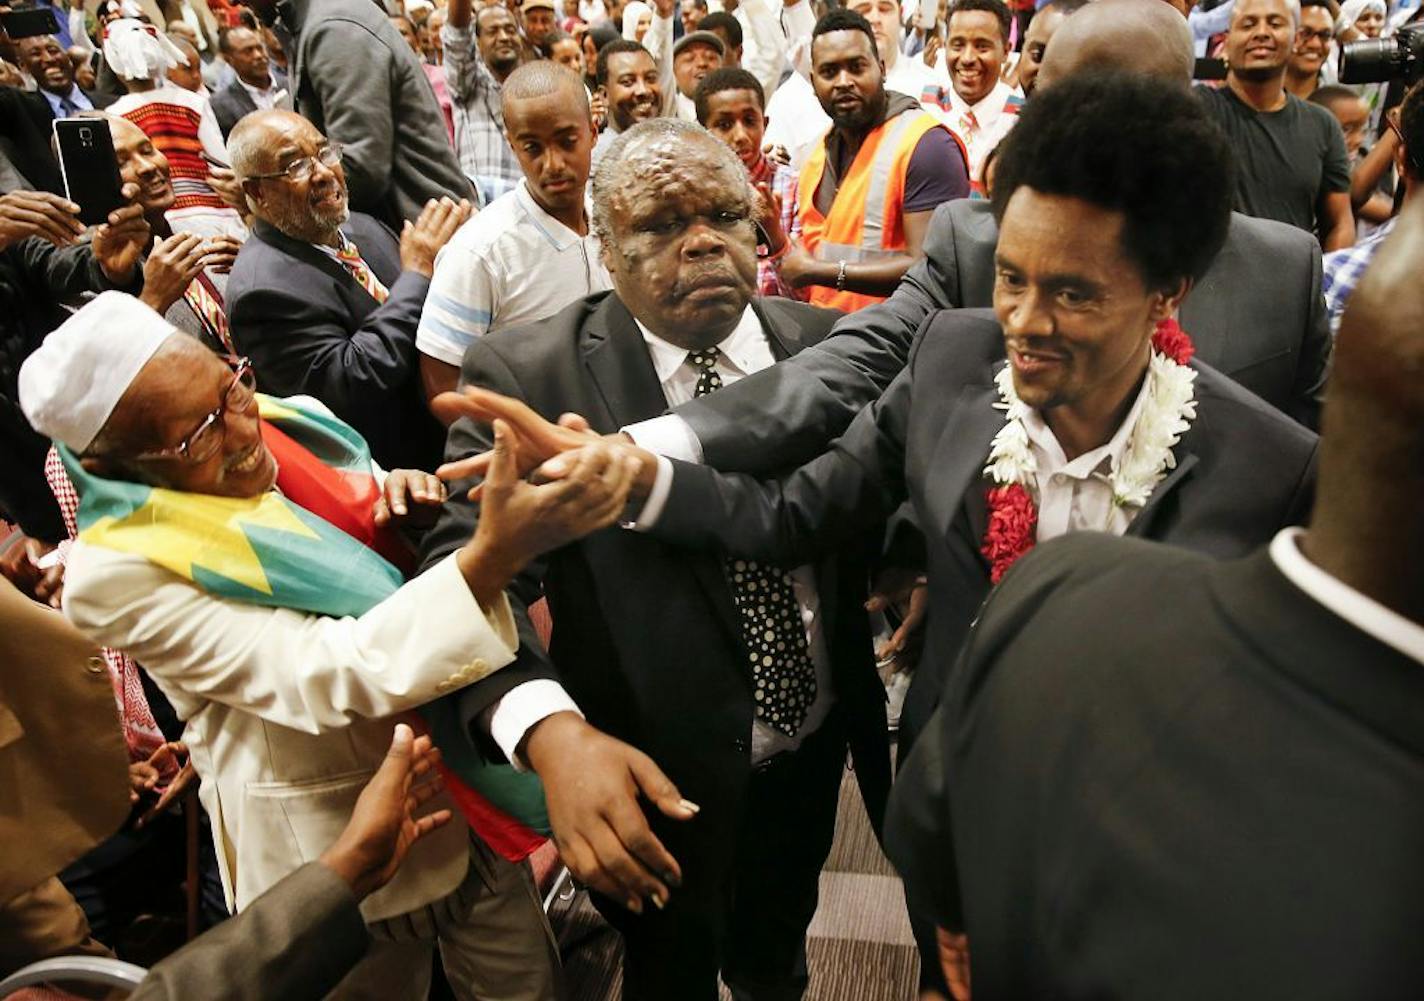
[1309, 391]
[356, 106]
[307, 672]
[300, 344]
[790, 412]
[458, 520]
[297, 940]
[808, 513]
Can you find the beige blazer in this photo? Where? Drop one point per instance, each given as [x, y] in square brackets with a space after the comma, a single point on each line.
[287, 714]
[63, 769]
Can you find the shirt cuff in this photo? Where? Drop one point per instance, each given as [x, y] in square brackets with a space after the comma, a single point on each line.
[657, 499]
[667, 435]
[522, 707]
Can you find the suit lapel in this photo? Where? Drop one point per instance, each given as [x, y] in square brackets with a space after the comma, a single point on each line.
[785, 338]
[301, 250]
[1145, 523]
[617, 360]
[1206, 312]
[955, 471]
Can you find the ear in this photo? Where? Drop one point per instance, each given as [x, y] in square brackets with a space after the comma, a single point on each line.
[252, 189]
[1168, 301]
[1401, 163]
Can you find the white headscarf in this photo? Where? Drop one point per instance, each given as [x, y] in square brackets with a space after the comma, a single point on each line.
[137, 51]
[70, 386]
[1351, 10]
[632, 14]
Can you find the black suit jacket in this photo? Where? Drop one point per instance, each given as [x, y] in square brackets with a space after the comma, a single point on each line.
[1257, 316]
[310, 328]
[1243, 472]
[25, 131]
[233, 102]
[1161, 776]
[646, 637]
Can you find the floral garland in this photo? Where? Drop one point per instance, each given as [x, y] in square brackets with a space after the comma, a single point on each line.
[1168, 412]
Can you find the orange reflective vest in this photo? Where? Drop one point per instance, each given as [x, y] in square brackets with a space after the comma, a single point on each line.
[867, 221]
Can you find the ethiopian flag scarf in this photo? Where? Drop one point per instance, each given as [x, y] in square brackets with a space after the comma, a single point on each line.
[310, 545]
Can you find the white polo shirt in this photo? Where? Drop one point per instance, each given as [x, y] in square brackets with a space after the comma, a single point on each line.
[511, 264]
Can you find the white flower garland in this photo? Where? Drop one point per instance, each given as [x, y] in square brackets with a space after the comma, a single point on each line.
[1165, 415]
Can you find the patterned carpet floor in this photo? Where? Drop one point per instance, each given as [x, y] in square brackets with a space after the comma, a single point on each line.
[859, 948]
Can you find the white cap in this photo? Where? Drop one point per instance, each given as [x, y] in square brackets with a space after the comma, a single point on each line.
[70, 386]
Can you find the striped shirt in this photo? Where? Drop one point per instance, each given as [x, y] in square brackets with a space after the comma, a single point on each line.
[510, 265]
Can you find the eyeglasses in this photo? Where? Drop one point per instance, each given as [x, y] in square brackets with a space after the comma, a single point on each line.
[203, 443]
[1322, 35]
[301, 168]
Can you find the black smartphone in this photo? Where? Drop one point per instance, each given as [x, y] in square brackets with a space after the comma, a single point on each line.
[89, 167]
[29, 23]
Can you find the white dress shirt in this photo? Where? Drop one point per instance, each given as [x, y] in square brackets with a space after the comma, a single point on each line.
[981, 126]
[1361, 611]
[1076, 496]
[265, 100]
[744, 351]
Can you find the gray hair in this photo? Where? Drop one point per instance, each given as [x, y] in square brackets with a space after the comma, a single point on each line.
[641, 147]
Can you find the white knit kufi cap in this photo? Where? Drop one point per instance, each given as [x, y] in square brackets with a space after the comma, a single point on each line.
[70, 386]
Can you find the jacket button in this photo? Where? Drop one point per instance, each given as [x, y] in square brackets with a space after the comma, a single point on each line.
[741, 746]
[443, 687]
[481, 666]
[95, 665]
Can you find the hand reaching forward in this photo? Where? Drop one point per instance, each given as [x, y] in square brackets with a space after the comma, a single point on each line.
[592, 783]
[409, 497]
[520, 521]
[383, 826]
[537, 439]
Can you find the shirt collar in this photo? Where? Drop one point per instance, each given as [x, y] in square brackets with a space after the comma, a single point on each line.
[1361, 611]
[735, 347]
[74, 94]
[258, 91]
[556, 232]
[1095, 460]
[988, 108]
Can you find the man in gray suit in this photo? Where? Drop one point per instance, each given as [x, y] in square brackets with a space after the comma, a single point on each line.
[256, 84]
[1256, 315]
[355, 79]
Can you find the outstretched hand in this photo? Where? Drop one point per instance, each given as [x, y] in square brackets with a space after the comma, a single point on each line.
[383, 826]
[537, 440]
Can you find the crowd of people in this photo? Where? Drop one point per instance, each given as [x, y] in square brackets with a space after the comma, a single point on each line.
[488, 425]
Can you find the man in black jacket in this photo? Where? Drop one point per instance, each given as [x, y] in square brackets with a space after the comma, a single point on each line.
[1158, 775]
[326, 302]
[744, 683]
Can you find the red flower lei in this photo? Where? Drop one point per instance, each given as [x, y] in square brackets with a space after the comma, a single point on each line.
[1013, 515]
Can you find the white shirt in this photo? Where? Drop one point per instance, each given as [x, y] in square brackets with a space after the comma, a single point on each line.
[1361, 611]
[264, 99]
[1075, 496]
[510, 265]
[744, 351]
[982, 125]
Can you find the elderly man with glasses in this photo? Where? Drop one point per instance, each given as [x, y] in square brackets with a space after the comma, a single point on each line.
[326, 301]
[242, 547]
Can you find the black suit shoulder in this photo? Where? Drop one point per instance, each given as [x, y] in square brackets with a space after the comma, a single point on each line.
[957, 345]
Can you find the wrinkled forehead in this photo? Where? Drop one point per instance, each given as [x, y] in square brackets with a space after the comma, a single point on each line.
[680, 172]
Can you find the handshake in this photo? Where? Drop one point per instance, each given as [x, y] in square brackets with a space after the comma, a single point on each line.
[543, 484]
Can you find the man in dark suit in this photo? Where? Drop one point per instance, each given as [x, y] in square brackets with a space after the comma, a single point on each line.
[1216, 768]
[744, 683]
[326, 302]
[1256, 315]
[26, 117]
[381, 108]
[254, 80]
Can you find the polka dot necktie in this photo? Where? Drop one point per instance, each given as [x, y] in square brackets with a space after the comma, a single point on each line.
[782, 674]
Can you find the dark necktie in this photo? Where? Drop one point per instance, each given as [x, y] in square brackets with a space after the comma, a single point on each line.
[67, 108]
[782, 673]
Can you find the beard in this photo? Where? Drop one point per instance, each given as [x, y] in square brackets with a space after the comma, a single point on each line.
[865, 116]
[307, 223]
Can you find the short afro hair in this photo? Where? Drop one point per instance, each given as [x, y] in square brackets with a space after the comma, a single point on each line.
[1411, 130]
[841, 19]
[726, 78]
[998, 8]
[600, 69]
[1133, 144]
[720, 20]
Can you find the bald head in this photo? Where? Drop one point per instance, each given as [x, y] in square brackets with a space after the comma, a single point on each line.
[543, 78]
[1126, 35]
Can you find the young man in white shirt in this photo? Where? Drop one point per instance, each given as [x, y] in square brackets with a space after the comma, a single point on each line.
[530, 253]
[978, 105]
